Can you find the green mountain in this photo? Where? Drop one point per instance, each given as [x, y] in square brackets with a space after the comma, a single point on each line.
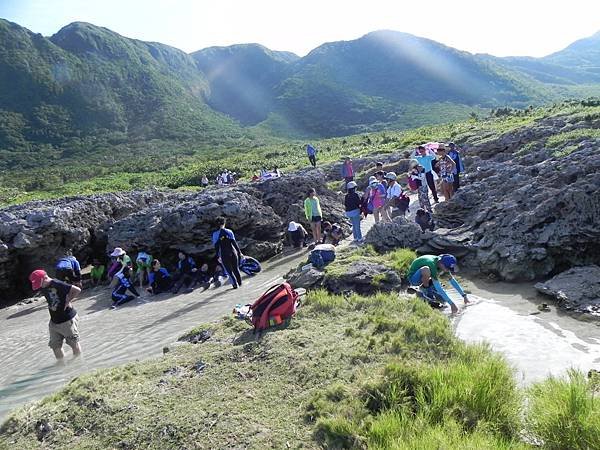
[583, 54]
[243, 78]
[87, 84]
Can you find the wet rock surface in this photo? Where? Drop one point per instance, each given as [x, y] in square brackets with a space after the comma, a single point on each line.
[577, 289]
[34, 235]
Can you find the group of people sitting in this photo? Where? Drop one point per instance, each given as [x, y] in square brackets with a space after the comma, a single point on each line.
[125, 274]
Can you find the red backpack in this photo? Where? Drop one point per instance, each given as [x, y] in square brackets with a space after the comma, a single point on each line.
[275, 306]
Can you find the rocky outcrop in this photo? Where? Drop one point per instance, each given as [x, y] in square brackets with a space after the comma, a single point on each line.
[308, 278]
[35, 234]
[400, 233]
[576, 290]
[365, 278]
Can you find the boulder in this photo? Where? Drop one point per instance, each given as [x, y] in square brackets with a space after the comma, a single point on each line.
[576, 290]
[400, 233]
[309, 278]
[365, 278]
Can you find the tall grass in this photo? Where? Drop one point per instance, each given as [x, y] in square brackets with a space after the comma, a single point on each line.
[565, 413]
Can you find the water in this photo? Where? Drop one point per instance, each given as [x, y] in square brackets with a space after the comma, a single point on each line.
[537, 345]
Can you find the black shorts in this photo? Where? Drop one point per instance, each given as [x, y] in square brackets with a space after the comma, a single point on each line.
[316, 219]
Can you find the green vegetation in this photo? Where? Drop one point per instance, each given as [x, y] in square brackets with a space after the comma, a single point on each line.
[398, 260]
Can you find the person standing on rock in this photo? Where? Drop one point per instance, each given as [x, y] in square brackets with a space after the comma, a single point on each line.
[459, 167]
[424, 272]
[312, 155]
[425, 159]
[352, 203]
[447, 167]
[394, 191]
[347, 170]
[312, 210]
[63, 317]
[68, 271]
[417, 174]
[377, 196]
[228, 252]
[204, 181]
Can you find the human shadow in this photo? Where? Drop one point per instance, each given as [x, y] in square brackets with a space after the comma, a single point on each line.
[25, 312]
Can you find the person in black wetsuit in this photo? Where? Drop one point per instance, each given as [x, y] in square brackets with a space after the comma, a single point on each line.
[228, 251]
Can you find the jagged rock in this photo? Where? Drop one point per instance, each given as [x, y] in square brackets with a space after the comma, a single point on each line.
[577, 289]
[310, 278]
[400, 233]
[364, 278]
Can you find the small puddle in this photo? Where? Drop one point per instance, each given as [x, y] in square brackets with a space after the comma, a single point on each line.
[537, 345]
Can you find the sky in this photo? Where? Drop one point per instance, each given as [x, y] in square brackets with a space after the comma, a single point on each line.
[497, 27]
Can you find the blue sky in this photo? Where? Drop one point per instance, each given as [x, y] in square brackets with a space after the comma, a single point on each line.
[509, 27]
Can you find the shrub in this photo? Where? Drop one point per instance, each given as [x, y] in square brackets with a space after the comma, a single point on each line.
[564, 413]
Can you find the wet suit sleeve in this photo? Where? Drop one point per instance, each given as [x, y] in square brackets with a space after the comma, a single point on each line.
[457, 286]
[440, 290]
[234, 243]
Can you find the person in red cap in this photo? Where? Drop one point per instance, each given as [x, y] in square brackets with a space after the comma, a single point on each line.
[63, 317]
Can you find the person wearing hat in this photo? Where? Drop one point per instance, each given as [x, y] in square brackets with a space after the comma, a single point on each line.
[63, 325]
[424, 272]
[393, 194]
[377, 195]
[352, 204]
[120, 260]
[297, 234]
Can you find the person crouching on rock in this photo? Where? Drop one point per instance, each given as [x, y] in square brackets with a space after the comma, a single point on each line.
[63, 317]
[228, 252]
[160, 279]
[297, 234]
[424, 272]
[124, 284]
[332, 232]
[312, 210]
[424, 220]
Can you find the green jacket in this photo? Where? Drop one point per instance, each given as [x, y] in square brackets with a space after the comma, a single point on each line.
[308, 208]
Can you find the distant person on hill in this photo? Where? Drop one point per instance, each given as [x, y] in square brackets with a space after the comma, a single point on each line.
[378, 166]
[97, 273]
[424, 272]
[447, 167]
[377, 197]
[332, 233]
[124, 284]
[63, 317]
[352, 203]
[160, 279]
[297, 234]
[347, 170]
[228, 251]
[417, 175]
[312, 210]
[143, 265]
[425, 158]
[312, 155]
[204, 181]
[185, 275]
[454, 153]
[68, 270]
[424, 220]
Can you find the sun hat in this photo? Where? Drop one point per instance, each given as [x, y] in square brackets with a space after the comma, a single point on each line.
[374, 183]
[372, 178]
[391, 176]
[293, 226]
[351, 185]
[36, 278]
[118, 251]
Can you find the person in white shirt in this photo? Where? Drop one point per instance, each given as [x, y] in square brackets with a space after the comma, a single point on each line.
[392, 196]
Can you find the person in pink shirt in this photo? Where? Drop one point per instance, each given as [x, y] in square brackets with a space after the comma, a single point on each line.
[377, 194]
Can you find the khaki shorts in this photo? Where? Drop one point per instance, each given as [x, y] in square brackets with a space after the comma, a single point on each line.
[66, 331]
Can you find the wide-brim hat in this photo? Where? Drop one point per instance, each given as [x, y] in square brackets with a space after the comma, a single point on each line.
[118, 251]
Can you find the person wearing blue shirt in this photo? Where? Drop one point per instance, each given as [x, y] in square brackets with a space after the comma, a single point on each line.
[186, 273]
[228, 252]
[425, 160]
[160, 279]
[68, 270]
[455, 155]
[124, 284]
[312, 154]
